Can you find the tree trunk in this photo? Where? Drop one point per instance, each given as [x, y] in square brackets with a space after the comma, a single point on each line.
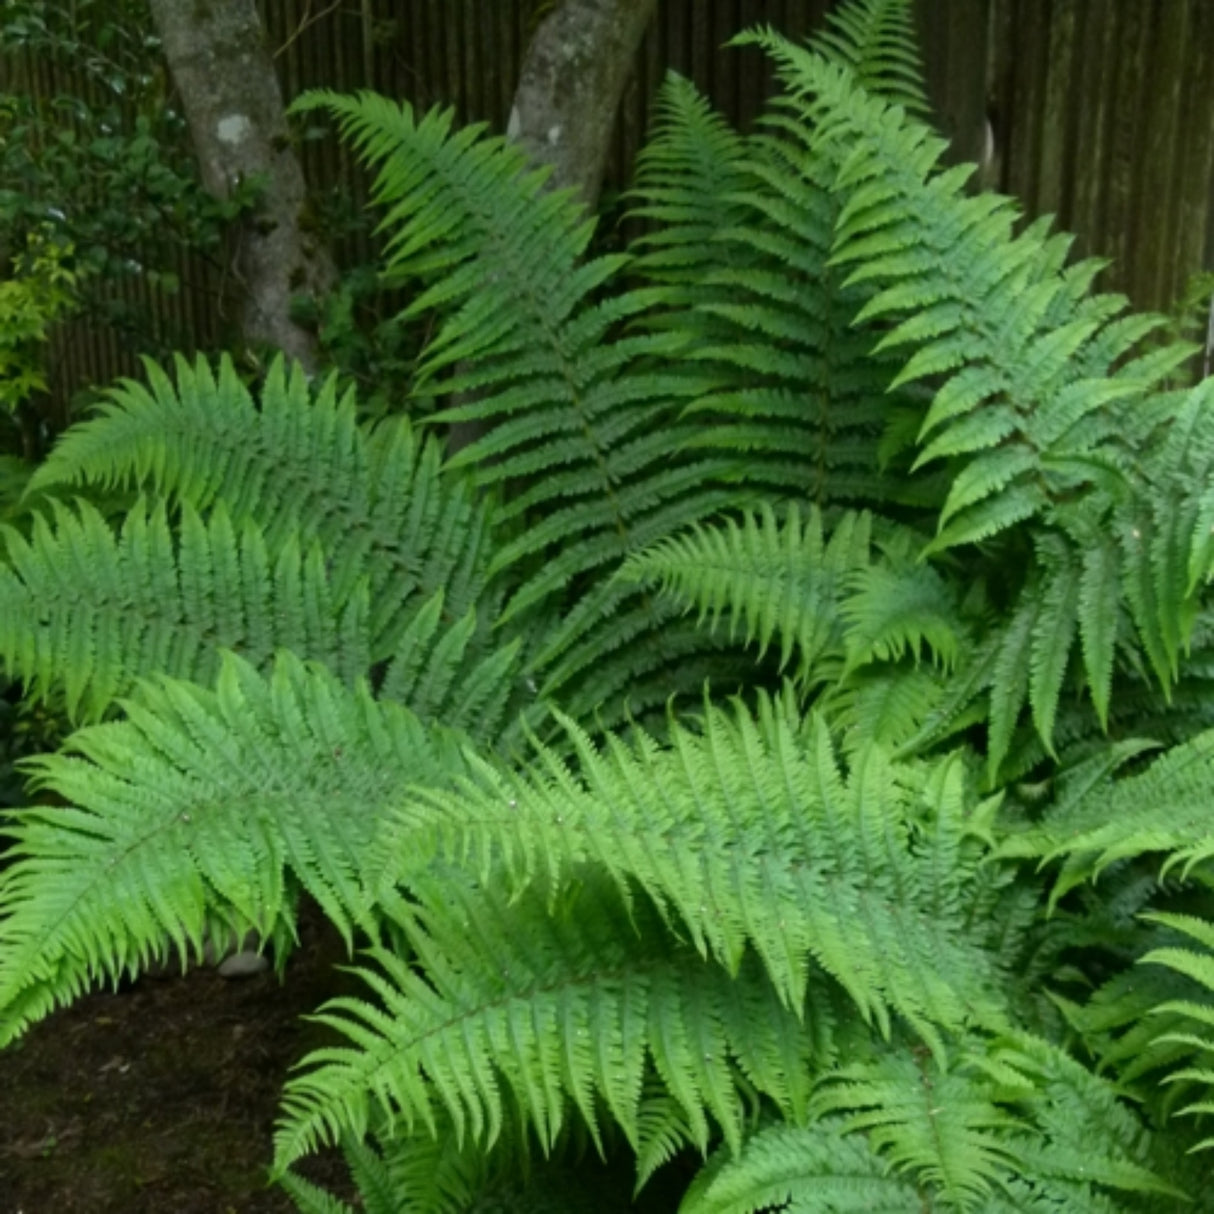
[572, 80]
[217, 54]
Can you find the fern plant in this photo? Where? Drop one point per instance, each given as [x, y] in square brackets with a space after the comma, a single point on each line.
[583, 420]
[903, 902]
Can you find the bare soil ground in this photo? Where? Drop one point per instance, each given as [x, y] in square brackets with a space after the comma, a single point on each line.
[161, 1098]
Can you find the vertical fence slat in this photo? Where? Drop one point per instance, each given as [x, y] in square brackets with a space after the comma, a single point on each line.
[1195, 243]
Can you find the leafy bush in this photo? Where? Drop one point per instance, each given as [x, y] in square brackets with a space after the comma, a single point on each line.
[103, 163]
[778, 750]
[40, 290]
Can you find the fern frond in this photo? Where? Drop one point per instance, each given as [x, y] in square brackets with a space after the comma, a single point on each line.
[1054, 631]
[1193, 1036]
[1041, 409]
[1018, 386]
[747, 835]
[1166, 809]
[802, 1170]
[91, 612]
[876, 39]
[201, 804]
[742, 247]
[292, 463]
[688, 177]
[810, 397]
[790, 380]
[828, 601]
[964, 1131]
[1021, 372]
[898, 605]
[1099, 588]
[555, 1006]
[1010, 1125]
[943, 1126]
[771, 578]
[457, 676]
[420, 1174]
[1139, 1024]
[310, 1198]
[887, 705]
[581, 415]
[401, 1174]
[15, 474]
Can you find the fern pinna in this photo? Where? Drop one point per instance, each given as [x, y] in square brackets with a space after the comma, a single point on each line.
[890, 535]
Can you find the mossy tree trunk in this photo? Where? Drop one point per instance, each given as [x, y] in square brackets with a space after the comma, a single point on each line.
[222, 68]
[572, 79]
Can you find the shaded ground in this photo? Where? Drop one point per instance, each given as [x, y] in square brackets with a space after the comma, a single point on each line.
[161, 1098]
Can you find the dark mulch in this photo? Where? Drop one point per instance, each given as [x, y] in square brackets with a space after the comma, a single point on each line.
[161, 1098]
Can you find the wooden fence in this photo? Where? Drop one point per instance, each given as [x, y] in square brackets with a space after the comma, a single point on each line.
[1099, 111]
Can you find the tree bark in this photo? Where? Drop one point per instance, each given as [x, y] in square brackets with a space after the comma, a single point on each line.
[572, 80]
[217, 54]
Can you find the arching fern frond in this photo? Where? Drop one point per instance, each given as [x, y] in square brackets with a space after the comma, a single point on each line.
[1166, 809]
[750, 835]
[293, 463]
[456, 676]
[1042, 411]
[1032, 382]
[897, 605]
[558, 1006]
[886, 704]
[201, 804]
[1142, 1022]
[400, 1174]
[743, 252]
[789, 378]
[802, 1170]
[90, 612]
[420, 1174]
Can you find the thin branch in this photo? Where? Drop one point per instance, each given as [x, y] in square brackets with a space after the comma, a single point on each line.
[305, 21]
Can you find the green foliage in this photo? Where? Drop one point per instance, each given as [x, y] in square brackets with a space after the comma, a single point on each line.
[149, 857]
[109, 611]
[1106, 825]
[104, 161]
[1191, 317]
[358, 336]
[99, 200]
[780, 372]
[303, 470]
[526, 335]
[904, 903]
[437, 1048]
[1012, 1125]
[848, 606]
[30, 302]
[757, 854]
[15, 474]
[875, 40]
